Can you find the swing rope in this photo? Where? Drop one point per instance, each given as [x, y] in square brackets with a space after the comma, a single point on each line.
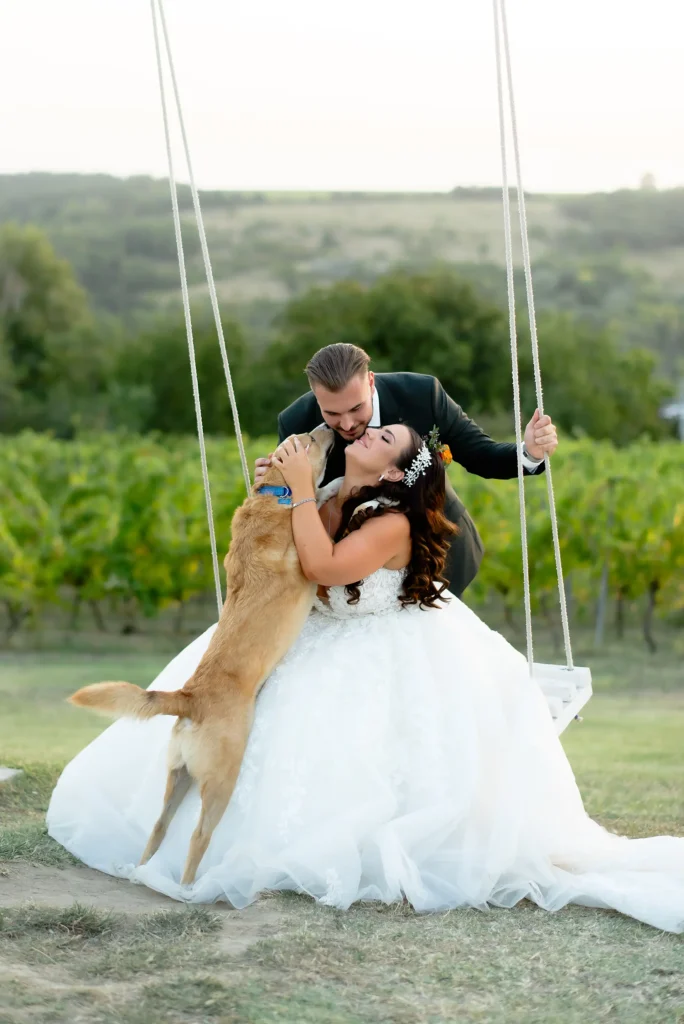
[188, 318]
[508, 241]
[205, 253]
[501, 33]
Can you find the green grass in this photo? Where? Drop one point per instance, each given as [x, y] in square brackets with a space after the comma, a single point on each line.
[36, 723]
[74, 922]
[372, 963]
[23, 803]
[628, 757]
[109, 945]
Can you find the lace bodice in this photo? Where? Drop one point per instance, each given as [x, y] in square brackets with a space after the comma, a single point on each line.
[379, 595]
[379, 592]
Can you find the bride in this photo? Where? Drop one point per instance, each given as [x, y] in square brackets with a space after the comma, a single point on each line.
[400, 749]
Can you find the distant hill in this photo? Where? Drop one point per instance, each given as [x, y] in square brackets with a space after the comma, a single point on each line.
[617, 258]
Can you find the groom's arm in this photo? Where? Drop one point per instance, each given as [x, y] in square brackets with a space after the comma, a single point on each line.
[475, 450]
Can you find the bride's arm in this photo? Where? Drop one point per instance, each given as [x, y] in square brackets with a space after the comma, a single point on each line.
[356, 556]
[361, 553]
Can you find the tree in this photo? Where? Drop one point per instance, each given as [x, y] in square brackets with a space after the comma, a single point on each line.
[55, 360]
[440, 324]
[591, 386]
[10, 398]
[39, 296]
[154, 383]
[434, 323]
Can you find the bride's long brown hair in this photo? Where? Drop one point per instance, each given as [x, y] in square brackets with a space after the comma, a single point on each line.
[423, 506]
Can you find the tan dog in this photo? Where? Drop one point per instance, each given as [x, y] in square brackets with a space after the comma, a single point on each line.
[267, 602]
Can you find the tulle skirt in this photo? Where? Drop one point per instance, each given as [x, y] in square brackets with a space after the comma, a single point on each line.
[405, 754]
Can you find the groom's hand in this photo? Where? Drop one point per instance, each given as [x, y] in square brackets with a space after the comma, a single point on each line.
[260, 467]
[540, 436]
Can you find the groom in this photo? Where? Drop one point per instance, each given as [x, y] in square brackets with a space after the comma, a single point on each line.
[350, 397]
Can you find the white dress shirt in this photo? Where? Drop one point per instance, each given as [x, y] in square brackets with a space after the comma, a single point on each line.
[530, 464]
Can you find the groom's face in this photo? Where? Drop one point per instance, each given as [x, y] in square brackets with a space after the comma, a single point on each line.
[350, 410]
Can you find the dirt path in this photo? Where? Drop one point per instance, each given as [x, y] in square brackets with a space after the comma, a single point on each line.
[59, 887]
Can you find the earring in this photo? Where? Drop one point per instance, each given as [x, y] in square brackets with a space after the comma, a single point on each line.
[380, 479]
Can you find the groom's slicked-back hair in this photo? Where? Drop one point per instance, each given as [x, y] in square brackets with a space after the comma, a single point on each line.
[334, 366]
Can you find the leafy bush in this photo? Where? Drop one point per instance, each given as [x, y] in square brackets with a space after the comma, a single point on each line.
[121, 520]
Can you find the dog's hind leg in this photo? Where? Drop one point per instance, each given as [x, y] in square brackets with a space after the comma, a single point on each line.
[215, 798]
[214, 756]
[177, 785]
[216, 789]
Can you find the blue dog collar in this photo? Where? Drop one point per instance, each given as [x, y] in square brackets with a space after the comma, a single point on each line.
[283, 494]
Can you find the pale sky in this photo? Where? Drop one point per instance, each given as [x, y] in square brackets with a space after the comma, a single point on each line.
[360, 94]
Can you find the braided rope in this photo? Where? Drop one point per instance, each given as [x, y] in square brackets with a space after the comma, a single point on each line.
[512, 326]
[501, 32]
[205, 254]
[188, 318]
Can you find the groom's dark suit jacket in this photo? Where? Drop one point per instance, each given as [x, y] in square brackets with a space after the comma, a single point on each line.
[422, 403]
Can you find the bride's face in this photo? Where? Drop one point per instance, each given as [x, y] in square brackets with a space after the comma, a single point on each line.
[376, 452]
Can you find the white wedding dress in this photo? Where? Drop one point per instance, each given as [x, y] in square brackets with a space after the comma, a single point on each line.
[395, 752]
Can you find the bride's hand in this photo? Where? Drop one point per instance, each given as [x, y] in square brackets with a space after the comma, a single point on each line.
[293, 462]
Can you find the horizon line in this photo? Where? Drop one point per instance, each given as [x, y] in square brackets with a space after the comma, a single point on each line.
[330, 191]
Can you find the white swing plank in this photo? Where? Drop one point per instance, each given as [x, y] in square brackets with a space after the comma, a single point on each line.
[567, 690]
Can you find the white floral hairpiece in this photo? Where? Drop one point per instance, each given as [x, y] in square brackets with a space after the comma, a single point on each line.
[419, 466]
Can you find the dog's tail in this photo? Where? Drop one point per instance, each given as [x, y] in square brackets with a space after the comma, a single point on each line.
[126, 700]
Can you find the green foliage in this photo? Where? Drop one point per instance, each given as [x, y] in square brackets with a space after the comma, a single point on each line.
[438, 323]
[623, 509]
[615, 259]
[39, 298]
[39, 294]
[605, 291]
[54, 360]
[118, 234]
[592, 387]
[598, 285]
[429, 323]
[61, 371]
[636, 219]
[109, 517]
[121, 519]
[154, 383]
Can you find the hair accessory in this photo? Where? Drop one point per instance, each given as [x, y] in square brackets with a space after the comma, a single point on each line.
[436, 446]
[419, 466]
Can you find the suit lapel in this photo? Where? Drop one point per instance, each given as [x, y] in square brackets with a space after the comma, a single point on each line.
[389, 412]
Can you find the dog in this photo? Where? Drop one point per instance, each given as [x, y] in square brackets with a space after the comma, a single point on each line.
[268, 599]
